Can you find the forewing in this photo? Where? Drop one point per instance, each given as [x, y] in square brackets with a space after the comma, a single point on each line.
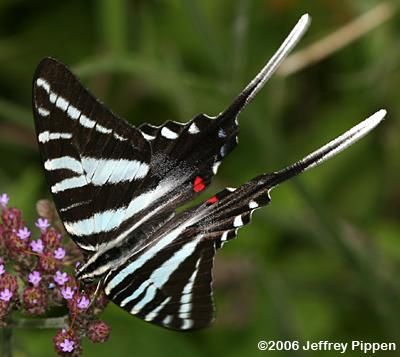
[107, 177]
[94, 161]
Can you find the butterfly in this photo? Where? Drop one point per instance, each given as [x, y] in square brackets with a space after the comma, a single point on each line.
[117, 189]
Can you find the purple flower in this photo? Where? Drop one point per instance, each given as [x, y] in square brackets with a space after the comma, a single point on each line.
[2, 270]
[42, 224]
[60, 278]
[4, 200]
[37, 246]
[59, 253]
[83, 303]
[5, 295]
[67, 345]
[34, 278]
[23, 233]
[67, 293]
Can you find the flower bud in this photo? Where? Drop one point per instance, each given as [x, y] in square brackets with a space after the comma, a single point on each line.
[16, 246]
[98, 331]
[12, 218]
[47, 262]
[34, 300]
[51, 238]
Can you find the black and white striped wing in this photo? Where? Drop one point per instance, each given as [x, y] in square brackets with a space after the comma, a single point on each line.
[106, 175]
[171, 288]
[94, 161]
[169, 283]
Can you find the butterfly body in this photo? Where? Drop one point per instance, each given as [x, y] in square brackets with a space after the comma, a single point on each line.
[117, 188]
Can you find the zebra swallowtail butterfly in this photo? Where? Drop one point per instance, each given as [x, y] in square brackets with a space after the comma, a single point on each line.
[117, 187]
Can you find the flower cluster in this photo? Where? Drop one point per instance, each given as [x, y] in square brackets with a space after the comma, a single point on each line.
[36, 275]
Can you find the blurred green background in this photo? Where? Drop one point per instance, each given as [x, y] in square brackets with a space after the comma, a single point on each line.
[323, 261]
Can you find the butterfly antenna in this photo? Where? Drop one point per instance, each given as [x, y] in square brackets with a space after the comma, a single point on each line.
[269, 69]
[329, 150]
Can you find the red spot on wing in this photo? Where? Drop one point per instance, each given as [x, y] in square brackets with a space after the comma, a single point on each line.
[198, 184]
[212, 200]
